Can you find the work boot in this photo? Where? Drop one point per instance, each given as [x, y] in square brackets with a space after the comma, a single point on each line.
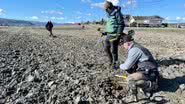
[115, 66]
[148, 90]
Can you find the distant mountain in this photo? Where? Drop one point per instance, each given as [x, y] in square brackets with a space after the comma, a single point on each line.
[37, 23]
[12, 22]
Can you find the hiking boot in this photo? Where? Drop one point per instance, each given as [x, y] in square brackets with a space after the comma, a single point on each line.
[115, 66]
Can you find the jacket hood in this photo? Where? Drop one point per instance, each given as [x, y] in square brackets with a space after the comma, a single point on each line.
[115, 10]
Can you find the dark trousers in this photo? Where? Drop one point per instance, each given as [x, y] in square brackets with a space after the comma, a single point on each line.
[51, 33]
[111, 48]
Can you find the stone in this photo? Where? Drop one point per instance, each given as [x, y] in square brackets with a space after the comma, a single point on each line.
[182, 87]
[50, 83]
[30, 78]
[2, 65]
[158, 98]
[77, 100]
[77, 81]
[29, 95]
[37, 74]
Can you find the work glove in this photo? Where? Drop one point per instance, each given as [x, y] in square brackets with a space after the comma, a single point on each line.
[104, 33]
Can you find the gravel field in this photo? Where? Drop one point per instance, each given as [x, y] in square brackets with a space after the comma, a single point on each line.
[72, 67]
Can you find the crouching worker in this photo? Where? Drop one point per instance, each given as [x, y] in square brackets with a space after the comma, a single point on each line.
[141, 68]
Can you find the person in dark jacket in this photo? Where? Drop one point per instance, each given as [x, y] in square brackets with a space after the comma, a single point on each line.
[114, 28]
[49, 27]
[141, 68]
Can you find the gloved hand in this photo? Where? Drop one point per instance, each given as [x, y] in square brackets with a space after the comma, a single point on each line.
[104, 33]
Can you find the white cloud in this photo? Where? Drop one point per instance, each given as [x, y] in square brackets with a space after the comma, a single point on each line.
[126, 4]
[175, 19]
[71, 22]
[99, 5]
[79, 17]
[129, 3]
[178, 18]
[52, 12]
[89, 14]
[1, 11]
[57, 18]
[78, 12]
[46, 17]
[86, 1]
[167, 18]
[114, 2]
[34, 17]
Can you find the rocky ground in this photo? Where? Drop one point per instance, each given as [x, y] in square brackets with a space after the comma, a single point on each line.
[71, 68]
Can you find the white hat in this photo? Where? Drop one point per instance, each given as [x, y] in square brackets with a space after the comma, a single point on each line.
[114, 2]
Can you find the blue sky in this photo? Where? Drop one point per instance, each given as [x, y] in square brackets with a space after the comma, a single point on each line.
[82, 10]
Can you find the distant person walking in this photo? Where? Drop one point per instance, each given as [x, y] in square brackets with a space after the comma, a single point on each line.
[83, 27]
[113, 30]
[49, 27]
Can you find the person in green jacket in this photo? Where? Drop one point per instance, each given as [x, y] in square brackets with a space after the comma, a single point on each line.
[113, 30]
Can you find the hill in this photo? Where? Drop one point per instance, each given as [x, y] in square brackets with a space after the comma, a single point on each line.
[13, 22]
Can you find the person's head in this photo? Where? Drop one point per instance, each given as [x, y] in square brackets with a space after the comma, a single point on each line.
[108, 6]
[126, 41]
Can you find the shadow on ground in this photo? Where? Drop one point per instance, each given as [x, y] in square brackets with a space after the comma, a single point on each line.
[170, 61]
[168, 85]
[171, 85]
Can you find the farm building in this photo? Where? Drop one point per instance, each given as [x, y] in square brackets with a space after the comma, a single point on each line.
[143, 21]
[148, 21]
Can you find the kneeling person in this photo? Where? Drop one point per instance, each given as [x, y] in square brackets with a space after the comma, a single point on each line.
[141, 68]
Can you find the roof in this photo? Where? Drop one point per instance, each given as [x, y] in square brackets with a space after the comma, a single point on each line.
[148, 18]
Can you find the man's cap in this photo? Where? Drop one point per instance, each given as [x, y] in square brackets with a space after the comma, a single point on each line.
[129, 32]
[126, 38]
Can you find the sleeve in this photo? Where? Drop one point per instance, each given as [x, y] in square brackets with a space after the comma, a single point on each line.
[120, 22]
[133, 57]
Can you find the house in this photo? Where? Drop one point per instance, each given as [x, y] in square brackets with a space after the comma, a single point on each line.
[143, 21]
[148, 21]
[128, 19]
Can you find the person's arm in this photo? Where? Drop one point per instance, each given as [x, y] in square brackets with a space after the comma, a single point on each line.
[120, 22]
[51, 25]
[133, 56]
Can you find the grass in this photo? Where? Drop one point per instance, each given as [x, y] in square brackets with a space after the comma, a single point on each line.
[70, 27]
[173, 30]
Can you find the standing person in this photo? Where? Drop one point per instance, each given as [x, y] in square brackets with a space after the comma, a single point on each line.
[113, 30]
[49, 27]
[141, 68]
